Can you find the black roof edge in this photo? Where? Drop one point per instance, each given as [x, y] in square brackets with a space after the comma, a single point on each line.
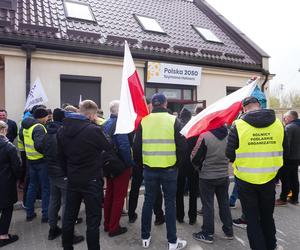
[119, 52]
[234, 33]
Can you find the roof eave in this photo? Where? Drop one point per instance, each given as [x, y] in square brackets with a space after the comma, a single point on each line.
[119, 52]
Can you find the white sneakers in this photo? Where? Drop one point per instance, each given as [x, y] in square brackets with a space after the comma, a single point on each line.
[180, 244]
[146, 242]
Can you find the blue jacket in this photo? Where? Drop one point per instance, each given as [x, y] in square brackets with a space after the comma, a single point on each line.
[121, 141]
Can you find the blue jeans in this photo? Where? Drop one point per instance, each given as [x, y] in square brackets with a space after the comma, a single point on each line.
[167, 178]
[38, 173]
[234, 194]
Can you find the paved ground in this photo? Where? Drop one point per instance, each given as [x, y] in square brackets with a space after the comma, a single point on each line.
[33, 235]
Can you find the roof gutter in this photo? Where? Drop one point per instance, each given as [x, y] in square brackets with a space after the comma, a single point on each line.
[28, 48]
[119, 52]
[265, 81]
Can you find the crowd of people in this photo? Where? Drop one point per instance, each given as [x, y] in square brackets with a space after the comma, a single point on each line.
[60, 159]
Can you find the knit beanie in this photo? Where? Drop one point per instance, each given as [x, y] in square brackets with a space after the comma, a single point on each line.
[40, 113]
[58, 115]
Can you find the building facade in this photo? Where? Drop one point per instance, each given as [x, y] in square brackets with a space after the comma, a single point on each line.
[185, 49]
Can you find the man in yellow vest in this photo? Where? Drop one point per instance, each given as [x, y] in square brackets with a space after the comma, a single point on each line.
[256, 145]
[33, 135]
[159, 147]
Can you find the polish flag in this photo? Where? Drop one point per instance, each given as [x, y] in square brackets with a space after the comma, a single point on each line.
[224, 111]
[133, 106]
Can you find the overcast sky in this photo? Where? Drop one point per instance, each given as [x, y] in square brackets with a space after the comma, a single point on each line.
[274, 25]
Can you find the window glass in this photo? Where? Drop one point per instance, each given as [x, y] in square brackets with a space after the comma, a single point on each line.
[150, 92]
[150, 24]
[79, 10]
[171, 93]
[208, 35]
[187, 94]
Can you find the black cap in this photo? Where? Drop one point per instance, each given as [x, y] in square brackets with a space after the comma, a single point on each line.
[58, 115]
[40, 113]
[158, 99]
[250, 99]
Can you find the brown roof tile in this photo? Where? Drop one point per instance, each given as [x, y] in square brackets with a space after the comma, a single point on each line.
[114, 22]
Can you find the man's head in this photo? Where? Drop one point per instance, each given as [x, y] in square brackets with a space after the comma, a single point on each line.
[71, 108]
[89, 109]
[159, 100]
[198, 109]
[100, 113]
[114, 107]
[3, 128]
[58, 115]
[41, 114]
[250, 104]
[290, 116]
[3, 115]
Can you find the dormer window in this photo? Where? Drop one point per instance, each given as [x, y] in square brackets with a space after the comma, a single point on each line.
[207, 34]
[149, 24]
[78, 10]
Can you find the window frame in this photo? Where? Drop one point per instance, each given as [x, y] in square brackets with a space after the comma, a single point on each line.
[13, 5]
[157, 86]
[78, 18]
[136, 16]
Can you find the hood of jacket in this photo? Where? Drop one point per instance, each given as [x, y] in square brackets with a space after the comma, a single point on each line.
[28, 122]
[260, 118]
[296, 122]
[3, 141]
[53, 127]
[73, 126]
[185, 116]
[220, 132]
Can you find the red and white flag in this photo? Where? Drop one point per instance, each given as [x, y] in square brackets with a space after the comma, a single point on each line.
[224, 111]
[133, 106]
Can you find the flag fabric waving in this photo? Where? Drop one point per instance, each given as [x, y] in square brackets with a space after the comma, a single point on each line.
[133, 105]
[224, 111]
[36, 95]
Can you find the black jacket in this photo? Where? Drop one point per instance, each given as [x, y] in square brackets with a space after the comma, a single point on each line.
[12, 132]
[9, 173]
[293, 136]
[38, 136]
[179, 141]
[50, 150]
[79, 147]
[259, 119]
[187, 167]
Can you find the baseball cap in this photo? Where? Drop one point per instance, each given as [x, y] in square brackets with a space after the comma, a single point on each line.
[158, 99]
[248, 100]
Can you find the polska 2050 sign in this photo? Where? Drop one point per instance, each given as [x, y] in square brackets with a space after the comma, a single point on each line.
[173, 73]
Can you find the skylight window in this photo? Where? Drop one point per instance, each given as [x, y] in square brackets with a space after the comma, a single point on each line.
[149, 24]
[207, 34]
[79, 10]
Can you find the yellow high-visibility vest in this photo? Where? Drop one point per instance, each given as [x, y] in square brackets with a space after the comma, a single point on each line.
[20, 143]
[158, 146]
[100, 121]
[31, 152]
[260, 152]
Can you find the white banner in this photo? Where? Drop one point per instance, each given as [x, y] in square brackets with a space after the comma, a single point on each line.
[173, 73]
[36, 95]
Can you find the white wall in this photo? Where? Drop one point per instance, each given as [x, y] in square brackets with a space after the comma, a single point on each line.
[48, 66]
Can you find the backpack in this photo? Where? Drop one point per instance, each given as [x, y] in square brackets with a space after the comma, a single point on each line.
[113, 165]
